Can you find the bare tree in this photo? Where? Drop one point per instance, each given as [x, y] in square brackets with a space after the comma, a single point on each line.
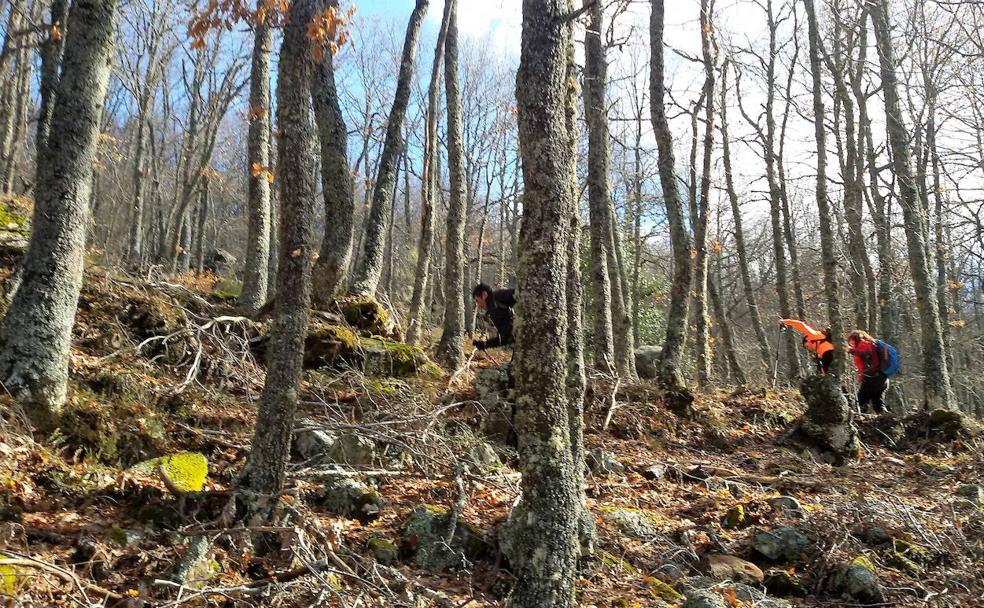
[36, 332]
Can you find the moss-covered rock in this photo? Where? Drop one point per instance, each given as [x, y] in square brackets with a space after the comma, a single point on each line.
[423, 538]
[185, 471]
[326, 344]
[196, 567]
[112, 429]
[637, 523]
[382, 550]
[735, 518]
[661, 590]
[354, 450]
[382, 357]
[783, 583]
[858, 580]
[367, 315]
[973, 493]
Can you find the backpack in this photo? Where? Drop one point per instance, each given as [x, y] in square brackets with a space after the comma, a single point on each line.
[888, 357]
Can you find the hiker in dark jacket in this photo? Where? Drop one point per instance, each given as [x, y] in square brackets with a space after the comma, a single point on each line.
[498, 306]
[873, 381]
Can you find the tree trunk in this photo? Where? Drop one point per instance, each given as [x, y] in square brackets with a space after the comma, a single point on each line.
[135, 247]
[270, 448]
[418, 308]
[827, 253]
[198, 255]
[540, 537]
[37, 329]
[702, 321]
[746, 278]
[451, 347]
[676, 319]
[727, 338]
[331, 270]
[371, 264]
[599, 189]
[255, 287]
[51, 56]
[937, 382]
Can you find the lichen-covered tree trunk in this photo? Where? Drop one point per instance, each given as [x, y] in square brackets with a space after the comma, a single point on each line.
[541, 536]
[51, 56]
[702, 319]
[270, 448]
[371, 263]
[727, 336]
[937, 388]
[740, 247]
[599, 189]
[184, 254]
[336, 247]
[451, 347]
[135, 244]
[670, 375]
[621, 298]
[255, 287]
[37, 329]
[201, 224]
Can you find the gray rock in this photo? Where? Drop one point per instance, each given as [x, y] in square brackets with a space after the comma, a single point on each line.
[353, 450]
[483, 459]
[637, 523]
[220, 262]
[602, 462]
[875, 536]
[786, 504]
[671, 571]
[494, 391]
[425, 532]
[703, 598]
[647, 358]
[382, 550]
[973, 493]
[342, 494]
[859, 582]
[312, 443]
[655, 472]
[783, 543]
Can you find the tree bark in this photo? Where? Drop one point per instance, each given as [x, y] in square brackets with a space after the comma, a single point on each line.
[371, 265]
[36, 332]
[198, 251]
[255, 287]
[51, 56]
[702, 320]
[599, 189]
[676, 321]
[827, 253]
[418, 308]
[451, 347]
[270, 448]
[937, 390]
[541, 535]
[331, 270]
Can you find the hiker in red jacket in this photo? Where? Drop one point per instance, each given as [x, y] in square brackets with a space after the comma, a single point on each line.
[873, 381]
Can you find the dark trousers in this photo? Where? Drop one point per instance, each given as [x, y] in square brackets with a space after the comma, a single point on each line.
[871, 391]
[823, 363]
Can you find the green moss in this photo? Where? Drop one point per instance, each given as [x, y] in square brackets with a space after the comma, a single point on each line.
[327, 344]
[612, 562]
[11, 220]
[663, 591]
[186, 471]
[910, 551]
[223, 296]
[364, 312]
[735, 518]
[863, 562]
[384, 551]
[230, 287]
[110, 427]
[388, 358]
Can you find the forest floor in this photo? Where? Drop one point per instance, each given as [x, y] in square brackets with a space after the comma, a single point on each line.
[161, 368]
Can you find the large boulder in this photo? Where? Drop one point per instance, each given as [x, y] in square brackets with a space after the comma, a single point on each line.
[636, 523]
[424, 538]
[646, 360]
[368, 316]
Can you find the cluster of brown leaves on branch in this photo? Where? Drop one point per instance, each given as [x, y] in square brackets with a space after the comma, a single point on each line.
[327, 30]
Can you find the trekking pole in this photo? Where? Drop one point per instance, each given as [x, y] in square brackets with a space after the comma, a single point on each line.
[775, 369]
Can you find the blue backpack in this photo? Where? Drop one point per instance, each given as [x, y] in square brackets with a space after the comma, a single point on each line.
[889, 358]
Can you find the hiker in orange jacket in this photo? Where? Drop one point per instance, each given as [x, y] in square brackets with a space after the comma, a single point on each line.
[816, 341]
